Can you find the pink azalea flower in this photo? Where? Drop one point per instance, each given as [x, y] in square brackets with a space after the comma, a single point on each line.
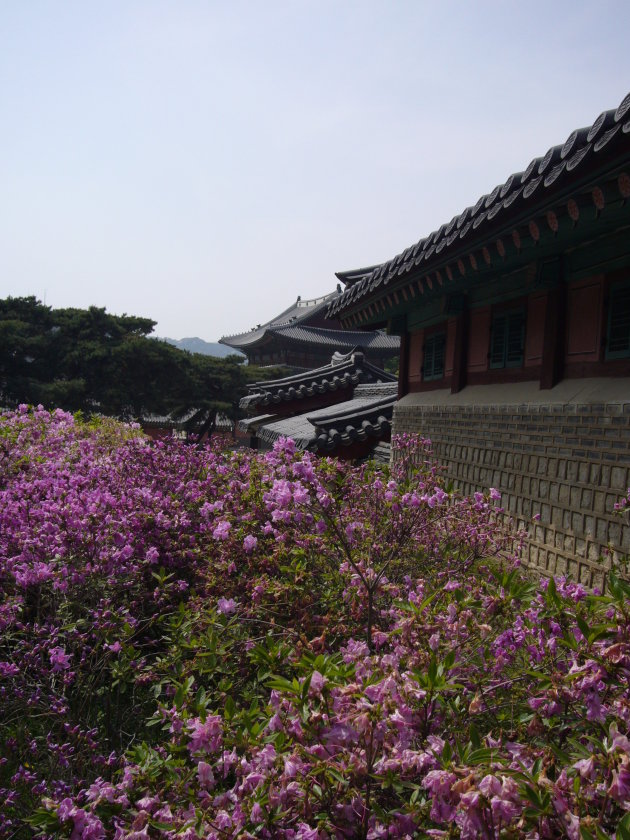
[226, 606]
[222, 530]
[257, 814]
[205, 736]
[249, 543]
[152, 555]
[59, 659]
[205, 775]
[8, 669]
[620, 787]
[317, 684]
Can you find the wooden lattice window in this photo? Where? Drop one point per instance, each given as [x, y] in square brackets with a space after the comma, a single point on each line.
[618, 334]
[507, 340]
[433, 358]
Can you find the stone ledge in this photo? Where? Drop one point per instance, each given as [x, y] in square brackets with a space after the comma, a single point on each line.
[519, 396]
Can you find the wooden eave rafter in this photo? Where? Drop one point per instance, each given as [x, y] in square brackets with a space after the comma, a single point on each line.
[588, 203]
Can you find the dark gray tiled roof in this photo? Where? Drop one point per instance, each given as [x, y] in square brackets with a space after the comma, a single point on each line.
[177, 421]
[382, 452]
[299, 429]
[349, 278]
[341, 339]
[290, 326]
[251, 422]
[343, 372]
[367, 415]
[586, 150]
[299, 311]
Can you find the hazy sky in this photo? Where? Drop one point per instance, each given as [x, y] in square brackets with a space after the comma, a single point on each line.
[202, 163]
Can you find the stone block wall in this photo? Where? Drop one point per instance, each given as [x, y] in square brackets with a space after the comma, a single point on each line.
[567, 464]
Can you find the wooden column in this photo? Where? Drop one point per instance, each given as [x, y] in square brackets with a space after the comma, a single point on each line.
[554, 338]
[403, 366]
[460, 362]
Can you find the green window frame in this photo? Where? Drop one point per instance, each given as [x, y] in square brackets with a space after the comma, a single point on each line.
[507, 339]
[434, 353]
[618, 329]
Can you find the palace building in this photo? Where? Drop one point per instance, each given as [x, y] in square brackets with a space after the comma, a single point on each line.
[343, 408]
[514, 320]
[302, 338]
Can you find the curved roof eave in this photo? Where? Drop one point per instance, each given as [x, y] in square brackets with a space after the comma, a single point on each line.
[300, 310]
[544, 179]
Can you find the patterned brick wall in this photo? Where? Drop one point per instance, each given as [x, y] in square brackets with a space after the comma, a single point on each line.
[568, 464]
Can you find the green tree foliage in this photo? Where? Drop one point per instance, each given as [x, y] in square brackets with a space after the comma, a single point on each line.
[95, 362]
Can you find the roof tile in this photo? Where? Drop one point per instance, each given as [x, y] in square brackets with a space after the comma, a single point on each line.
[543, 173]
[367, 415]
[343, 372]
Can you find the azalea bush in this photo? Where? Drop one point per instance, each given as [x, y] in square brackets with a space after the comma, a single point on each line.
[206, 644]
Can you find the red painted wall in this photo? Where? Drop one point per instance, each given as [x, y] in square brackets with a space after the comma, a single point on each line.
[584, 319]
[585, 338]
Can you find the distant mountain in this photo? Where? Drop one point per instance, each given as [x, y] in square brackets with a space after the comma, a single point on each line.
[198, 345]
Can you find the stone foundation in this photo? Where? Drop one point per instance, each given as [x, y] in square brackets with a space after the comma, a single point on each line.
[563, 457]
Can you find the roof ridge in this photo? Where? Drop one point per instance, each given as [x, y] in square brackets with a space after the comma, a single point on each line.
[283, 319]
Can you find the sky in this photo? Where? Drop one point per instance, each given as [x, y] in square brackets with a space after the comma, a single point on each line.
[203, 163]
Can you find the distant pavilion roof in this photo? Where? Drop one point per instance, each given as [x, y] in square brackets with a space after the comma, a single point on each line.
[344, 371]
[551, 186]
[290, 328]
[299, 311]
[368, 415]
[341, 340]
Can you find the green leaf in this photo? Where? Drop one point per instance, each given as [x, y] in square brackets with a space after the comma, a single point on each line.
[337, 776]
[585, 630]
[619, 588]
[43, 819]
[543, 679]
[282, 684]
[305, 687]
[481, 756]
[560, 754]
[449, 660]
[420, 608]
[475, 740]
[552, 597]
[568, 640]
[532, 795]
[623, 828]
[179, 697]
